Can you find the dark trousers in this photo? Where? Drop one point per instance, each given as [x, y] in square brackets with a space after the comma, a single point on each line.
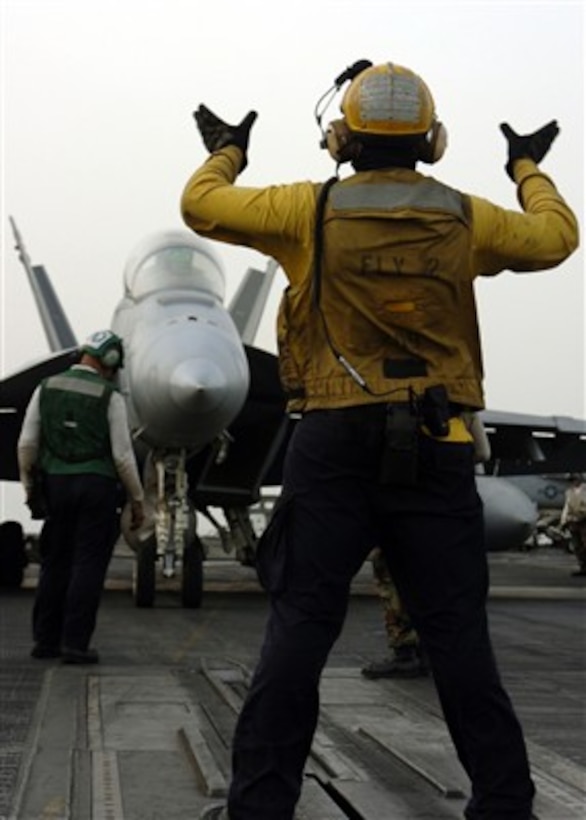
[76, 546]
[332, 512]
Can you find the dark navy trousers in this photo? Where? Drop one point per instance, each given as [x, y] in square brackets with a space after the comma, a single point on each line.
[76, 546]
[332, 511]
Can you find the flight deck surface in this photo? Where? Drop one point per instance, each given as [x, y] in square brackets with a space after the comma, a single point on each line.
[145, 735]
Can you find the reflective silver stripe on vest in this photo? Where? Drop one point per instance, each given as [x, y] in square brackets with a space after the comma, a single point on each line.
[74, 385]
[388, 196]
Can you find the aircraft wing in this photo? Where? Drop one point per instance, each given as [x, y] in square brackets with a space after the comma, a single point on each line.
[249, 301]
[15, 393]
[524, 444]
[56, 325]
[520, 443]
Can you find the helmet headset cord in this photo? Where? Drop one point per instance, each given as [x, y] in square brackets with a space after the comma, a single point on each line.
[319, 113]
[317, 281]
[326, 98]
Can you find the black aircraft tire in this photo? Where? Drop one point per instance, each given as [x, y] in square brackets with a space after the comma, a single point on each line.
[12, 555]
[144, 575]
[192, 575]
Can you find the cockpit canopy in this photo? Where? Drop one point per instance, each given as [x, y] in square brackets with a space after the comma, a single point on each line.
[176, 260]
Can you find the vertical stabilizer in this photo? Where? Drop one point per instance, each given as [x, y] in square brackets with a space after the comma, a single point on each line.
[247, 306]
[55, 323]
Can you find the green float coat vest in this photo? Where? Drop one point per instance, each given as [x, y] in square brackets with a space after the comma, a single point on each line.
[75, 435]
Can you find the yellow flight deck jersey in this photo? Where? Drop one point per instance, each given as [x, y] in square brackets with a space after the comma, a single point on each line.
[400, 254]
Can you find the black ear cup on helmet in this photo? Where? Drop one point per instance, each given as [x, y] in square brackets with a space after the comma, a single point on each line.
[434, 143]
[341, 142]
[112, 357]
[107, 347]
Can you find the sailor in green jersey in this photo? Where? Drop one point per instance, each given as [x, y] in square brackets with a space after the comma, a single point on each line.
[76, 432]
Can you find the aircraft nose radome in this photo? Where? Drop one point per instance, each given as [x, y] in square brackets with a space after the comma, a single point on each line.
[197, 385]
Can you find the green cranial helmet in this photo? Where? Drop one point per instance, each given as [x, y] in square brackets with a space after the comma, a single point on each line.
[105, 346]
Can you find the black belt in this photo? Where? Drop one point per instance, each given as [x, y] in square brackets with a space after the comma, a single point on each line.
[379, 409]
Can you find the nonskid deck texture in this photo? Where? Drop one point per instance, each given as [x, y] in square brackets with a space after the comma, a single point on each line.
[145, 735]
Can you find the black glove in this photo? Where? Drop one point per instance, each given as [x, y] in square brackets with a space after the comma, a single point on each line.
[532, 146]
[36, 498]
[216, 133]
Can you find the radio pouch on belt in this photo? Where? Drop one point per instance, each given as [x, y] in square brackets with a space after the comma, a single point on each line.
[399, 458]
[435, 410]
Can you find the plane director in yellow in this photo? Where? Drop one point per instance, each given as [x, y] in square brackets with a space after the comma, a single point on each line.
[380, 354]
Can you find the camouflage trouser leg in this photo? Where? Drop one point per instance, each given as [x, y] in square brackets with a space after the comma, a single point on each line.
[578, 531]
[400, 631]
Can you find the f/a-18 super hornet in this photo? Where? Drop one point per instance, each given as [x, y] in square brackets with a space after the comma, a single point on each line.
[205, 406]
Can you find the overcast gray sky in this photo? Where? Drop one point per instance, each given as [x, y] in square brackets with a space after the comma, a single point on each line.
[98, 141]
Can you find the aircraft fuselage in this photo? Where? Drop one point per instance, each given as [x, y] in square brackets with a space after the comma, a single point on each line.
[186, 375]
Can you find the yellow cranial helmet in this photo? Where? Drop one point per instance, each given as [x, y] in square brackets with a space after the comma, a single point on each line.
[388, 100]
